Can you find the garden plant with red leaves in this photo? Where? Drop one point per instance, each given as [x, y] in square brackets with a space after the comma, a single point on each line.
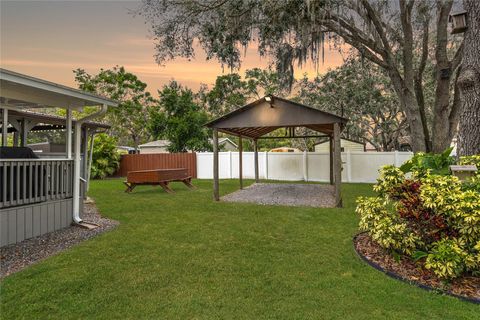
[423, 221]
[424, 213]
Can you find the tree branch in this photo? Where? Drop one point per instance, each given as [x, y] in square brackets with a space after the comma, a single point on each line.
[373, 15]
[361, 36]
[363, 45]
[443, 9]
[418, 81]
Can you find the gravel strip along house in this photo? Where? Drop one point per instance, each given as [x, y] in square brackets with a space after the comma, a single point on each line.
[43, 193]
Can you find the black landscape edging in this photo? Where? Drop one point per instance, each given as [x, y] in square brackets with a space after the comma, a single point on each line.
[411, 282]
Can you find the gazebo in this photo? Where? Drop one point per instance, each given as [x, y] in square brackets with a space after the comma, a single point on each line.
[255, 120]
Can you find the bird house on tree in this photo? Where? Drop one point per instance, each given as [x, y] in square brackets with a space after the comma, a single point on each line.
[458, 21]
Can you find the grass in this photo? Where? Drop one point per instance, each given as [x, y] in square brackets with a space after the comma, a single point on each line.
[184, 256]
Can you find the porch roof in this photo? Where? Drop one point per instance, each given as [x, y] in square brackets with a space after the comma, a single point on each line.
[21, 91]
[49, 122]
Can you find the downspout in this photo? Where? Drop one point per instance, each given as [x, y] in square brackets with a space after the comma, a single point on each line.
[77, 161]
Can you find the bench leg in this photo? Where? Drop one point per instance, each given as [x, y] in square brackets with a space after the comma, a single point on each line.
[130, 186]
[165, 187]
[188, 183]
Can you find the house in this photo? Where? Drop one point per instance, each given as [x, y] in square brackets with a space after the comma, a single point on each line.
[158, 146]
[41, 192]
[225, 144]
[161, 146]
[346, 145]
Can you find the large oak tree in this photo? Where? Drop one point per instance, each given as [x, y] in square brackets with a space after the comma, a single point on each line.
[469, 84]
[398, 36]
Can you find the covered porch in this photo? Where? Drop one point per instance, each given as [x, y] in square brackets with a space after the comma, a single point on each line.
[255, 120]
[43, 191]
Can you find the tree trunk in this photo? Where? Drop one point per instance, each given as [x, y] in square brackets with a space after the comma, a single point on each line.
[441, 136]
[417, 135]
[409, 105]
[469, 84]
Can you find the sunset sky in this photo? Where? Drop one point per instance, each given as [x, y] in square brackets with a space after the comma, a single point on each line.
[48, 39]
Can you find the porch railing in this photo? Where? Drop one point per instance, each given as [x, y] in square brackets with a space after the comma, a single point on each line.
[26, 181]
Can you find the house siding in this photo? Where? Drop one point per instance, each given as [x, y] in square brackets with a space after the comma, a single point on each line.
[24, 222]
[153, 150]
[345, 144]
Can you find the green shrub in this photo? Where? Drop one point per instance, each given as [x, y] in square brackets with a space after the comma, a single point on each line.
[469, 160]
[421, 163]
[431, 215]
[446, 259]
[385, 226]
[389, 182]
[473, 183]
[105, 158]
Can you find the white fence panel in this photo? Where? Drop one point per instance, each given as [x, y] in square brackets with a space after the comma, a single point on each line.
[204, 165]
[285, 166]
[365, 168]
[295, 166]
[318, 166]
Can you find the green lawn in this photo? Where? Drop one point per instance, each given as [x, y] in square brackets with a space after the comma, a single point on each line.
[184, 256]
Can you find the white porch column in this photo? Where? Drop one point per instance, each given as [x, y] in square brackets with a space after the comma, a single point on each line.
[68, 133]
[90, 158]
[76, 172]
[24, 135]
[4, 127]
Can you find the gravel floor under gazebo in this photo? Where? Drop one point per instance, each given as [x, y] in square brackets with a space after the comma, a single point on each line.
[285, 194]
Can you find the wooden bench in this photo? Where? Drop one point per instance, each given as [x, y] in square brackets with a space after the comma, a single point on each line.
[161, 177]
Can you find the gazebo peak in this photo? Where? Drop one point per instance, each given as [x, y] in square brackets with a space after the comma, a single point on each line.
[271, 112]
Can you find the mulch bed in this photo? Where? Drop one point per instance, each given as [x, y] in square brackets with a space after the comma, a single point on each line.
[20, 255]
[466, 287]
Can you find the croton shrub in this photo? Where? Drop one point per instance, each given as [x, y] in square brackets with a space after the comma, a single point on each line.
[424, 212]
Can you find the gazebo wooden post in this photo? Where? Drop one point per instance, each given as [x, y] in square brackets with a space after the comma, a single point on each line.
[337, 160]
[255, 150]
[216, 195]
[240, 161]
[330, 156]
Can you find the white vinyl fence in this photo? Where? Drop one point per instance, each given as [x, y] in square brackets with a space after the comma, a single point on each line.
[298, 166]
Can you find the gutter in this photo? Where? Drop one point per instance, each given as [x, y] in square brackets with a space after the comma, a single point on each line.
[77, 161]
